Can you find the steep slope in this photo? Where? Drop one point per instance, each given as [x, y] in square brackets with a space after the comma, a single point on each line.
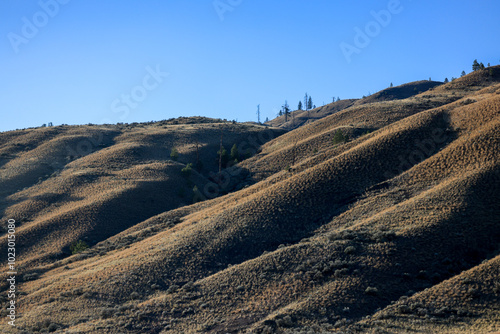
[401, 92]
[311, 140]
[395, 230]
[298, 118]
[89, 183]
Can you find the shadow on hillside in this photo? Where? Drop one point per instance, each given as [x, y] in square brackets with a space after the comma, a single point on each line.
[288, 221]
[469, 236]
[46, 199]
[426, 257]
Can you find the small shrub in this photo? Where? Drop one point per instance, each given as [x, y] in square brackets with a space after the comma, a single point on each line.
[189, 286]
[404, 309]
[53, 327]
[135, 295]
[349, 249]
[383, 236]
[186, 171]
[78, 247]
[172, 288]
[371, 291]
[467, 101]
[341, 272]
[339, 138]
[174, 154]
[235, 155]
[107, 313]
[286, 321]
[30, 277]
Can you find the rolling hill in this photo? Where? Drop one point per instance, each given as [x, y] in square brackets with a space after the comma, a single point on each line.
[393, 229]
[298, 118]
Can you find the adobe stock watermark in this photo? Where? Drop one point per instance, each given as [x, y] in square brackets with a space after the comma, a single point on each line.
[12, 272]
[372, 29]
[31, 26]
[223, 6]
[122, 107]
[139, 93]
[422, 150]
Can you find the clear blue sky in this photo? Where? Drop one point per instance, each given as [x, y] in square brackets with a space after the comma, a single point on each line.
[91, 61]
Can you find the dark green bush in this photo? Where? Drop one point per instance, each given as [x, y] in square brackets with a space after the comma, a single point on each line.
[78, 247]
[186, 171]
[339, 138]
[174, 154]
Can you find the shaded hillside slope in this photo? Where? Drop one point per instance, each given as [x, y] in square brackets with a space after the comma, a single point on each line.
[396, 230]
[401, 92]
[64, 184]
[314, 141]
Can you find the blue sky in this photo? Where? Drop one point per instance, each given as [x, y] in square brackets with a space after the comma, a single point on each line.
[78, 62]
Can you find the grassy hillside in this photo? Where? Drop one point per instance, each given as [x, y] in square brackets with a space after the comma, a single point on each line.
[298, 118]
[64, 184]
[393, 230]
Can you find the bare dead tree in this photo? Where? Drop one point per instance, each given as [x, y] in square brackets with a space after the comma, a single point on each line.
[197, 152]
[220, 151]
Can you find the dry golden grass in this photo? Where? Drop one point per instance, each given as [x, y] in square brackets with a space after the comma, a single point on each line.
[395, 231]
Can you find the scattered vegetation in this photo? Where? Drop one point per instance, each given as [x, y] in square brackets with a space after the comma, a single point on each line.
[78, 247]
[186, 171]
[235, 155]
[174, 154]
[339, 138]
[293, 253]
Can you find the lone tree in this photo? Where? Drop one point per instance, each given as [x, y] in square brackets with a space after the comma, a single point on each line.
[305, 101]
[463, 74]
[309, 103]
[258, 113]
[476, 66]
[391, 85]
[300, 106]
[235, 155]
[339, 137]
[446, 80]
